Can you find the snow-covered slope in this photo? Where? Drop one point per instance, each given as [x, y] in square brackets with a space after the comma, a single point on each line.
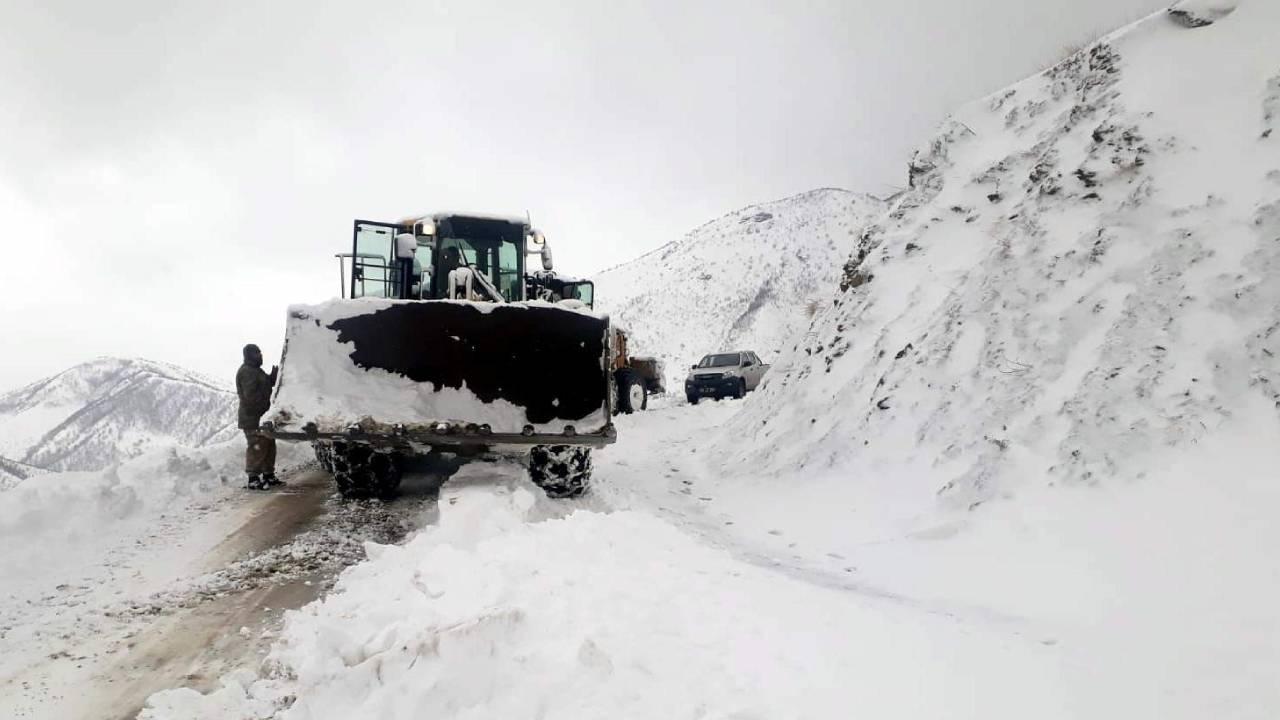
[109, 409]
[750, 279]
[1084, 275]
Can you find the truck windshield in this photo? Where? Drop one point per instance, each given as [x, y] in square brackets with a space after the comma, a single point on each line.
[725, 360]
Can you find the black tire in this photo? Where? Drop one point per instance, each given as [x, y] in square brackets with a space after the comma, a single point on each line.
[360, 470]
[693, 399]
[562, 471]
[631, 393]
[740, 391]
[324, 454]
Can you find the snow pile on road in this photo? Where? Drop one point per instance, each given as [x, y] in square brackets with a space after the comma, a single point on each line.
[110, 409]
[69, 511]
[748, 280]
[507, 609]
[83, 550]
[1084, 274]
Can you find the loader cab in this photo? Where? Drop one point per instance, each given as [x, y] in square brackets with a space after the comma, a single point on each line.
[385, 263]
[581, 290]
[552, 288]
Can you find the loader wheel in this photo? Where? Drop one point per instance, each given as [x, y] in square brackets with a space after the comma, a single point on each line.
[363, 472]
[631, 392]
[562, 471]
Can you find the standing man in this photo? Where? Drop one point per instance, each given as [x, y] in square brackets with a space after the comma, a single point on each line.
[254, 387]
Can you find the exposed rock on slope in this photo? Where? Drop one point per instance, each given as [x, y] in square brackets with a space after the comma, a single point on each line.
[750, 279]
[109, 409]
[13, 472]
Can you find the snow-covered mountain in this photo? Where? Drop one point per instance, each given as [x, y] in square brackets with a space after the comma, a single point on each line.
[109, 409]
[750, 279]
[1083, 277]
[13, 472]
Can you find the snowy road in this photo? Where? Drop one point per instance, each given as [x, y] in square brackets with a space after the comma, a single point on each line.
[784, 597]
[194, 595]
[516, 606]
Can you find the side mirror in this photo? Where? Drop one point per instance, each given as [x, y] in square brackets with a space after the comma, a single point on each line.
[693, 367]
[546, 256]
[533, 241]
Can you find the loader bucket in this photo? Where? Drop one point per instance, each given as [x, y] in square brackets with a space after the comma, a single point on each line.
[443, 372]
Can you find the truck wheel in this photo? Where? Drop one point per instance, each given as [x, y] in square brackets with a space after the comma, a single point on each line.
[741, 390]
[693, 399]
[631, 393]
[562, 471]
[364, 472]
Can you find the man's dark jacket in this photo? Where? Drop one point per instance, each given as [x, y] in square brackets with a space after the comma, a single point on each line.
[254, 387]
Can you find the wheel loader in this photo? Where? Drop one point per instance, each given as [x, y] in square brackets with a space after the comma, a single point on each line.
[439, 344]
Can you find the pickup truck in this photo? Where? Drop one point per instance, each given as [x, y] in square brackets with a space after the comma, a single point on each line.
[728, 374]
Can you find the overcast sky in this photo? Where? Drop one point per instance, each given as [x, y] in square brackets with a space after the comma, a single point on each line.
[173, 174]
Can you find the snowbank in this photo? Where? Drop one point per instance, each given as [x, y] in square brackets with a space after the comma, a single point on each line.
[505, 610]
[1084, 274]
[61, 516]
[1156, 597]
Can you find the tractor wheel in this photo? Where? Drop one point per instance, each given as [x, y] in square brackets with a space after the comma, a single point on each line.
[631, 393]
[362, 471]
[562, 471]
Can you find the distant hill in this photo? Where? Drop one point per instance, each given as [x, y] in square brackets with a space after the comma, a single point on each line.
[109, 409]
[750, 279]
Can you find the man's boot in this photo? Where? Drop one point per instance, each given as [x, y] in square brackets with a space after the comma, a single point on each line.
[255, 483]
[270, 480]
